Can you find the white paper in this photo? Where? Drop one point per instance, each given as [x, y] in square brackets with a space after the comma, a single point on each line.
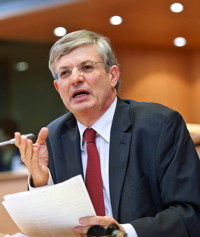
[50, 211]
[16, 235]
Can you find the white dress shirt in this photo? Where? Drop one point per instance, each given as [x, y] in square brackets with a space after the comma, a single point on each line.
[102, 126]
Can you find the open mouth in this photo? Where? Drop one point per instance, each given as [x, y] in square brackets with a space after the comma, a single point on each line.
[80, 93]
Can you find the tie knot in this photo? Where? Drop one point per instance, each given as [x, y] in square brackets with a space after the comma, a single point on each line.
[90, 135]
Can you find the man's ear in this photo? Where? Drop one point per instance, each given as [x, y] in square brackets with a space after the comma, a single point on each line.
[55, 82]
[114, 72]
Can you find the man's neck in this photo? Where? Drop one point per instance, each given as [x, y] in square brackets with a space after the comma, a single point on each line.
[88, 119]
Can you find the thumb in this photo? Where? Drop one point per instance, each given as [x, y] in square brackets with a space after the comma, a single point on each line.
[42, 136]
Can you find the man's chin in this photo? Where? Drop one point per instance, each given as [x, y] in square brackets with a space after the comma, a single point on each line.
[81, 107]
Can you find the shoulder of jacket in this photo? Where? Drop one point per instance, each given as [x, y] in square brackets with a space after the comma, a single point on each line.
[61, 122]
[148, 110]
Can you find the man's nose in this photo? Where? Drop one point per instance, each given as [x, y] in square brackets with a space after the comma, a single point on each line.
[76, 75]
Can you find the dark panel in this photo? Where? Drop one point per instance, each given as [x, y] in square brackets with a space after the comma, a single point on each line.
[4, 87]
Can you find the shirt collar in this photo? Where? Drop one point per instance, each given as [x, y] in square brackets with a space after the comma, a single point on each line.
[102, 126]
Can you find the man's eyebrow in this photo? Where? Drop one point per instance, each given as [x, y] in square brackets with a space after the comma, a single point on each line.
[67, 66]
[63, 67]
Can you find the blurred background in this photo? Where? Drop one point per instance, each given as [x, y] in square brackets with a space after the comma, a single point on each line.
[157, 43]
[142, 33]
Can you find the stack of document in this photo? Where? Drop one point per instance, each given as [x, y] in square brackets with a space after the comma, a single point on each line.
[52, 210]
[16, 235]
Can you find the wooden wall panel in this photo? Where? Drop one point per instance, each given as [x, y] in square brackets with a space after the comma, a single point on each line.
[169, 77]
[196, 86]
[10, 182]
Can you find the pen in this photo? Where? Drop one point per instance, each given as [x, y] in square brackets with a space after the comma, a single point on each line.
[12, 141]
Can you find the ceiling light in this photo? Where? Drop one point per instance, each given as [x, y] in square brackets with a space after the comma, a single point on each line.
[59, 31]
[176, 7]
[115, 20]
[180, 41]
[21, 66]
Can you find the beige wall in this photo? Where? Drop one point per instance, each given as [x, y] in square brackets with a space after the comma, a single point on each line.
[170, 77]
[167, 76]
[196, 86]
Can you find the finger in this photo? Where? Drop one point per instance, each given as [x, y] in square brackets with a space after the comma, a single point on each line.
[97, 220]
[17, 136]
[105, 220]
[22, 148]
[28, 153]
[42, 136]
[34, 160]
[26, 150]
[81, 229]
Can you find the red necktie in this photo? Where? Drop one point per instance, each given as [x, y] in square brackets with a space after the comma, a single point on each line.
[93, 173]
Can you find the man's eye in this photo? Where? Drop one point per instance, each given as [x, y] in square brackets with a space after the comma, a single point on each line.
[65, 73]
[87, 67]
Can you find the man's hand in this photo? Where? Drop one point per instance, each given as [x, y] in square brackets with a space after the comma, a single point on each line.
[87, 222]
[35, 156]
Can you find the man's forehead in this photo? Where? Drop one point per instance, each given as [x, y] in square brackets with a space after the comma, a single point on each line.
[78, 55]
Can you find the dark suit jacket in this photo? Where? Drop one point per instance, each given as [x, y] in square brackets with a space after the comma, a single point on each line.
[154, 170]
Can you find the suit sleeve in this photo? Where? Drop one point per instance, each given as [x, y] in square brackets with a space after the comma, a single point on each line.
[178, 175]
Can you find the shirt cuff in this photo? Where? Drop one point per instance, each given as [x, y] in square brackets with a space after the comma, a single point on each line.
[50, 182]
[130, 231]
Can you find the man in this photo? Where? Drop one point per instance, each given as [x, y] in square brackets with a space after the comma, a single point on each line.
[150, 169]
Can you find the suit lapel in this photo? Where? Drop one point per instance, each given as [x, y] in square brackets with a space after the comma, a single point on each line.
[119, 150]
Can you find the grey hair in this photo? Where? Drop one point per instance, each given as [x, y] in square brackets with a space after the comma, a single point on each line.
[83, 37]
